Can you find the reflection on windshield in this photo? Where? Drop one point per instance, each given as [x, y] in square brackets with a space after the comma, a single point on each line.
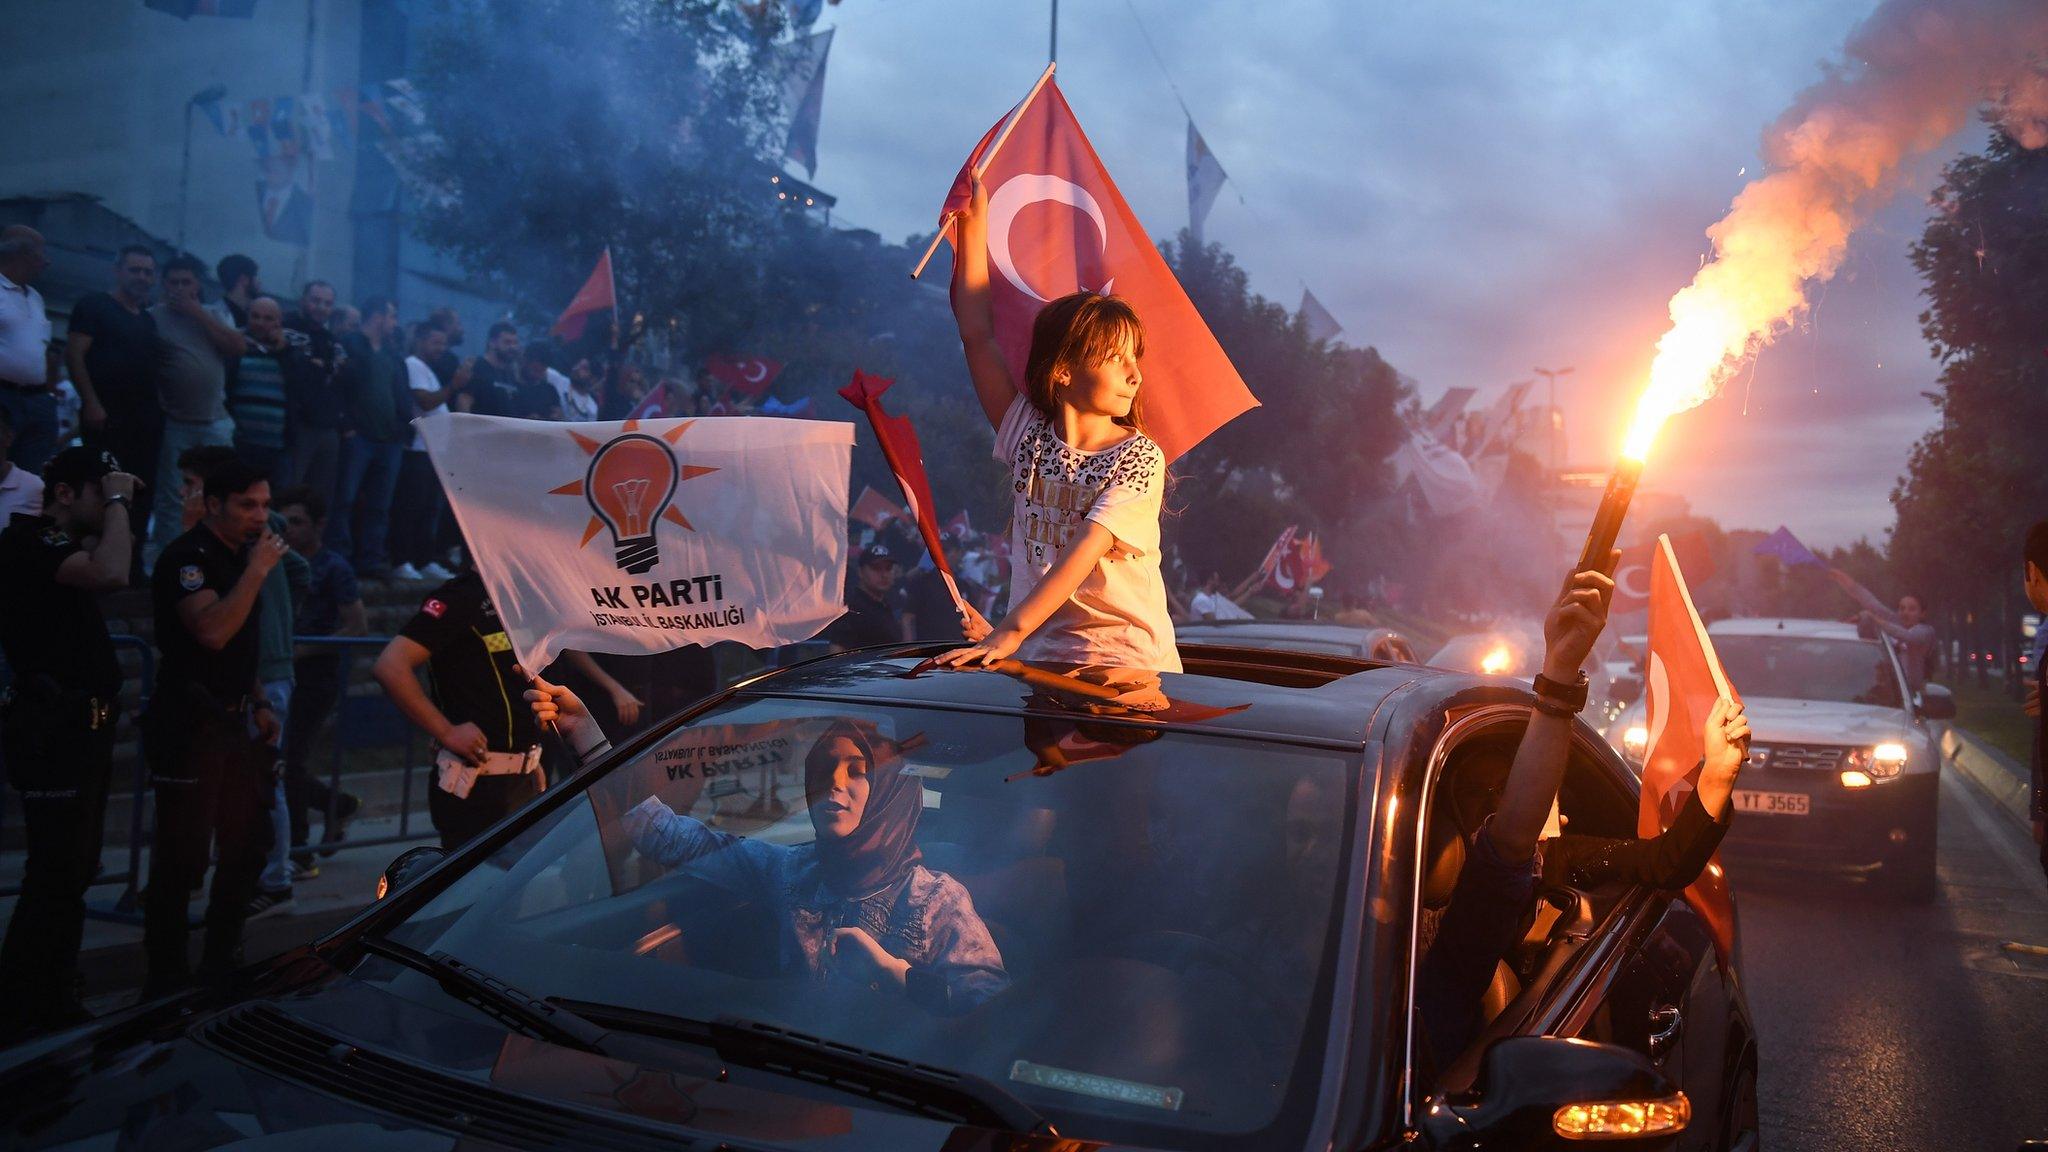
[855, 903]
[1138, 948]
[1796, 668]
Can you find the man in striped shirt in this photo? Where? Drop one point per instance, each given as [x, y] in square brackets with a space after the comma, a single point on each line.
[259, 387]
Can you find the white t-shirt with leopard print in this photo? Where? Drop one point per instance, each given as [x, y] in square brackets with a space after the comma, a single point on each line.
[1118, 615]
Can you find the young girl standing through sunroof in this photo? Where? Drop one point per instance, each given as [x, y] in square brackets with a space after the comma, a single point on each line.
[1087, 483]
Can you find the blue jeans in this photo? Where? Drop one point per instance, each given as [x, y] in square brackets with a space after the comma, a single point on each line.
[369, 476]
[277, 870]
[167, 512]
[34, 416]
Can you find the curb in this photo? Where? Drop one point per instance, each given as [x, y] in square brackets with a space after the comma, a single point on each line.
[2001, 778]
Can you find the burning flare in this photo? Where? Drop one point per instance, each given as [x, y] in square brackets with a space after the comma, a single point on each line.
[1909, 76]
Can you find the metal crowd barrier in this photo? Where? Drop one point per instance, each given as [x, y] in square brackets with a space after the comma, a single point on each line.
[358, 722]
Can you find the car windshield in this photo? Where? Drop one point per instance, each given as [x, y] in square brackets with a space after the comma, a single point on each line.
[1810, 668]
[1124, 926]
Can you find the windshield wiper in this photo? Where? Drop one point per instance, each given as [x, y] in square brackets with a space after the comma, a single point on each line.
[958, 1097]
[510, 1006]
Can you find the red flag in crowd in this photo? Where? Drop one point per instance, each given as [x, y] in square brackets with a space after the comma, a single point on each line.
[747, 376]
[1684, 679]
[652, 406]
[1632, 573]
[598, 294]
[875, 510]
[1275, 556]
[960, 527]
[1057, 224]
[906, 459]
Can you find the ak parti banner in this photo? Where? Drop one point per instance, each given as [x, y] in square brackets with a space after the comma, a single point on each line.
[1683, 679]
[1057, 225]
[641, 536]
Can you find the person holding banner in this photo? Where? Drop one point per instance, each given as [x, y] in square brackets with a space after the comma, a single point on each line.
[489, 758]
[1086, 585]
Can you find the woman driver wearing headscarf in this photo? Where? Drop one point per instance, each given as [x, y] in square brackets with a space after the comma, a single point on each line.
[856, 903]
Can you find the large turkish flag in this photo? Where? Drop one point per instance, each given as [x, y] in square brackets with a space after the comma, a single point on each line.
[1057, 224]
[1684, 679]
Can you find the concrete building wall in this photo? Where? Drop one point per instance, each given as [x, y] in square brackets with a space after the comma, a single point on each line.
[95, 94]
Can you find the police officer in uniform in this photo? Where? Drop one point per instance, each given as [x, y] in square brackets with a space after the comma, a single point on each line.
[213, 783]
[489, 758]
[57, 726]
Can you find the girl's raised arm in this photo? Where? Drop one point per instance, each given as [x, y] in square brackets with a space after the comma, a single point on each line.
[973, 311]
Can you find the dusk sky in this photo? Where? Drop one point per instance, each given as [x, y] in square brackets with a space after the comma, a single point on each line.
[1473, 189]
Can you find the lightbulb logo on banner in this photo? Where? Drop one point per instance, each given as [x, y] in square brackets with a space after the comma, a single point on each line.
[631, 486]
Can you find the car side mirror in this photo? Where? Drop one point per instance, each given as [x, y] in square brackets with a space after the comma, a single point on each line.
[1555, 1092]
[408, 866]
[1937, 703]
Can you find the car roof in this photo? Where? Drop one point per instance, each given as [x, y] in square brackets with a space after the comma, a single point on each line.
[1272, 694]
[1784, 626]
[1280, 629]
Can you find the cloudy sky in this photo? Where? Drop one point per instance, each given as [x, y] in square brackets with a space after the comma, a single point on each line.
[1473, 189]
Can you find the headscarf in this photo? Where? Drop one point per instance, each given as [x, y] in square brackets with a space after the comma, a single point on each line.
[883, 847]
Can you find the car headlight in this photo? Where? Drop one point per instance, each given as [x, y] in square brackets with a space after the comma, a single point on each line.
[1879, 762]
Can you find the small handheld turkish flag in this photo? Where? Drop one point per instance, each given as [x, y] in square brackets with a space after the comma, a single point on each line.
[748, 376]
[598, 294]
[1684, 680]
[1057, 225]
[906, 459]
[1632, 572]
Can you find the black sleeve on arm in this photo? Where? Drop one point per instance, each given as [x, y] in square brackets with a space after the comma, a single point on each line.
[1672, 860]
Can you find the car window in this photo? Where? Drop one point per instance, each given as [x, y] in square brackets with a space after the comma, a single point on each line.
[1125, 926]
[1810, 668]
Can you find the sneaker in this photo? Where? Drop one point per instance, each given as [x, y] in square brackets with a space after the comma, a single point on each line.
[304, 870]
[270, 903]
[436, 572]
[345, 810]
[406, 572]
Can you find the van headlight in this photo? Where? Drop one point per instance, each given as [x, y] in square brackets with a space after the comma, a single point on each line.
[1879, 762]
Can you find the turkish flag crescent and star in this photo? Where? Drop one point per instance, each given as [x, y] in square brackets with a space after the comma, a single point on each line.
[1632, 572]
[906, 460]
[1684, 679]
[1056, 225]
[749, 376]
[597, 295]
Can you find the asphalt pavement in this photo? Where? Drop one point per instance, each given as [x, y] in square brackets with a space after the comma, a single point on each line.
[1892, 1026]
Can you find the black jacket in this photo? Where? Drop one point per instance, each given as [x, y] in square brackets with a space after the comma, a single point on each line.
[1671, 861]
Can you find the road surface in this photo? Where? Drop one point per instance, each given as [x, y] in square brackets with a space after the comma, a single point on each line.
[1892, 1026]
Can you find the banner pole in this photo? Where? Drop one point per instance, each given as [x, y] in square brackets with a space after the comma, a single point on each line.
[986, 159]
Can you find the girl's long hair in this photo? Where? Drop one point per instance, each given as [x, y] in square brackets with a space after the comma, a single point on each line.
[1077, 331]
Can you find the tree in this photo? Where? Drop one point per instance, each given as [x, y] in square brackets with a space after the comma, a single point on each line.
[1973, 484]
[1315, 451]
[560, 127]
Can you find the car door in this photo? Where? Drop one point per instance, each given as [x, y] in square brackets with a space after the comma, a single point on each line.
[1659, 987]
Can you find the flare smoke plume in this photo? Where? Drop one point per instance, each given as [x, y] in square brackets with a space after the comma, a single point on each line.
[1909, 77]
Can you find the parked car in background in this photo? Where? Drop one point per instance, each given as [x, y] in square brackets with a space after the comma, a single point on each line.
[1192, 926]
[1515, 648]
[1844, 767]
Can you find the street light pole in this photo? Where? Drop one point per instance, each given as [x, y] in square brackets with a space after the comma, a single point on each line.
[1550, 376]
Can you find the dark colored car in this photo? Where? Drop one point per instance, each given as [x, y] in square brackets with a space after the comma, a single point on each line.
[1178, 913]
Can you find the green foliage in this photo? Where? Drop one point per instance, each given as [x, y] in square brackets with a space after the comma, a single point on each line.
[1314, 453]
[1973, 484]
